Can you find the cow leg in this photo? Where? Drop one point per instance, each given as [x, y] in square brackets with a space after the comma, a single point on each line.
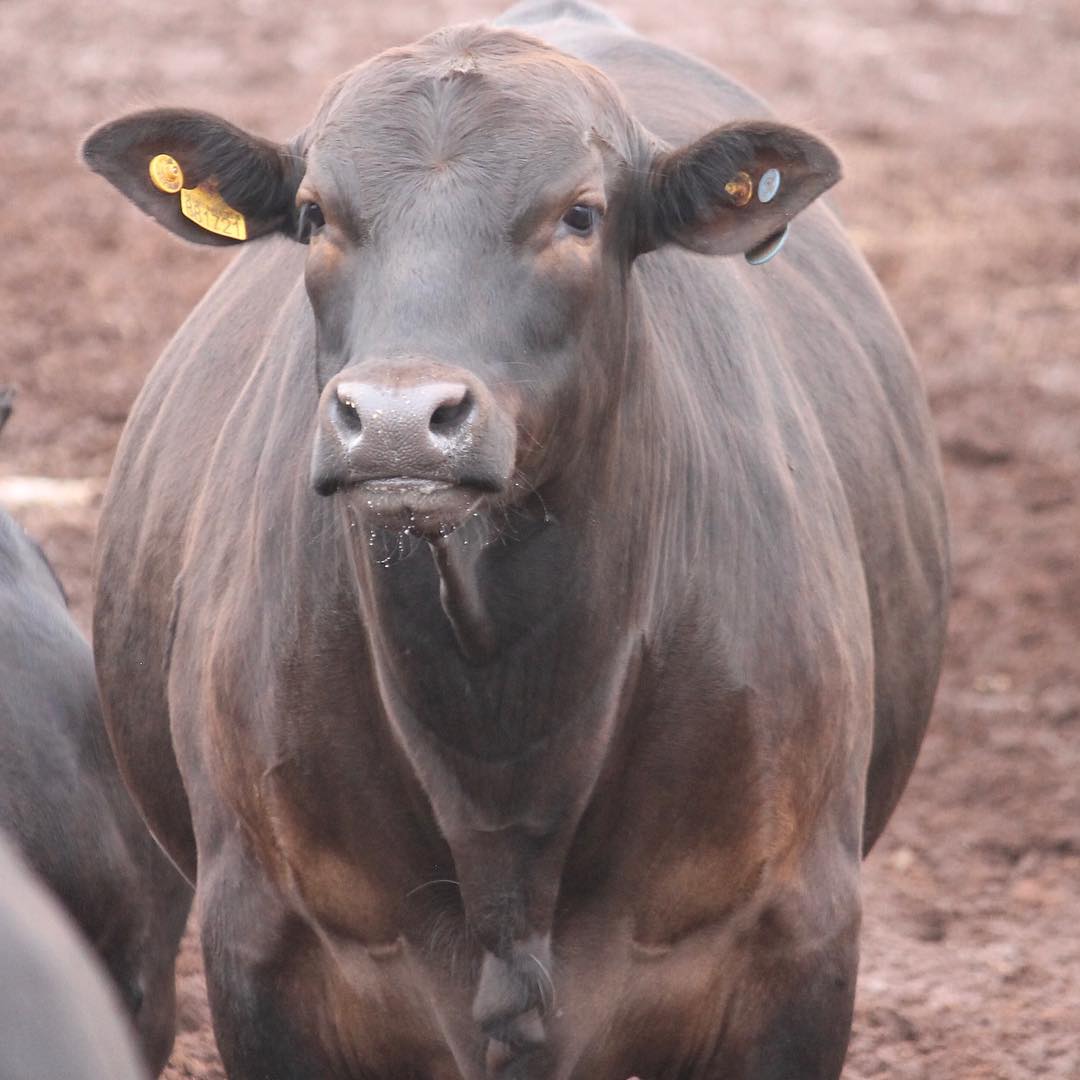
[150, 983]
[807, 1037]
[262, 977]
[794, 1018]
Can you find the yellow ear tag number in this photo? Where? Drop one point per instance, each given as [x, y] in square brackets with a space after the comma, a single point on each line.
[165, 174]
[210, 211]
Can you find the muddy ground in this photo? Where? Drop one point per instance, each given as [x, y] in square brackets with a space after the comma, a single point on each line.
[959, 123]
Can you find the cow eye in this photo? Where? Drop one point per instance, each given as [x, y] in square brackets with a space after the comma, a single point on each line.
[581, 220]
[309, 221]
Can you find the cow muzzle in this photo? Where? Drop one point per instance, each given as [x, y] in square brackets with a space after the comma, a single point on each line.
[415, 446]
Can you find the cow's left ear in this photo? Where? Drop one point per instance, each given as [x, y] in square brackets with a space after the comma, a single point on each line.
[734, 189]
[198, 175]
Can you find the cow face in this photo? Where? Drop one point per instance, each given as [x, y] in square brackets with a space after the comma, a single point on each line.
[472, 207]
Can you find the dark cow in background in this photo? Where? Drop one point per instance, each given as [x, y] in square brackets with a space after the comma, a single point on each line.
[62, 800]
[521, 621]
[59, 1016]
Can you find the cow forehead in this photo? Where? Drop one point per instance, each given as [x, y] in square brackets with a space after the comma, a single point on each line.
[507, 61]
[472, 102]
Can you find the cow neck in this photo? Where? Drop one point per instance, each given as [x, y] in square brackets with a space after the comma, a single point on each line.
[459, 593]
[501, 632]
[410, 590]
[496, 638]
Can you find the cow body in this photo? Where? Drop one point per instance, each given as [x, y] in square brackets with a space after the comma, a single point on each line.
[578, 787]
[59, 1017]
[62, 800]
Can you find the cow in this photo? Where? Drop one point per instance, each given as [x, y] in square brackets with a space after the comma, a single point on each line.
[60, 1018]
[63, 803]
[515, 610]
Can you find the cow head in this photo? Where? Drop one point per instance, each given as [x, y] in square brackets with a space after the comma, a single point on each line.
[472, 207]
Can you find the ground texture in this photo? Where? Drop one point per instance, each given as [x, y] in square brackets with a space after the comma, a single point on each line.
[958, 125]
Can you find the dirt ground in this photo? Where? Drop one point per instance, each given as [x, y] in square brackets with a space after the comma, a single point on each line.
[959, 125]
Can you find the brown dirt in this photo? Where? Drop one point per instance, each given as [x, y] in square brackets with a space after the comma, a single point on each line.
[958, 124]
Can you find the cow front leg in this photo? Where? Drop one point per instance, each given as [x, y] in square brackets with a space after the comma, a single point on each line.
[807, 1035]
[764, 994]
[792, 1018]
[267, 1000]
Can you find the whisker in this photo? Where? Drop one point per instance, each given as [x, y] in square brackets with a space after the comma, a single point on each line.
[551, 982]
[436, 881]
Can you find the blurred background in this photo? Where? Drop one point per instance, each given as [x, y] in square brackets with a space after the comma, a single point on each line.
[959, 125]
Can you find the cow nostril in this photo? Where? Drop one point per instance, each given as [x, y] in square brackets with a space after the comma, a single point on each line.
[451, 415]
[348, 411]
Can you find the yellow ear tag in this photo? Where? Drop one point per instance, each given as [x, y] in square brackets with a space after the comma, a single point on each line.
[165, 174]
[205, 206]
[741, 188]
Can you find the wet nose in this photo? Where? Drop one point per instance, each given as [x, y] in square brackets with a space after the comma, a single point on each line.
[439, 413]
[414, 422]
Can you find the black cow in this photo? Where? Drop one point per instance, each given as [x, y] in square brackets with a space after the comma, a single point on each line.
[62, 799]
[59, 1017]
[522, 620]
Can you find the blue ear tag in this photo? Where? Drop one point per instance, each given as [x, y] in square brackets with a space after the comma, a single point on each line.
[768, 185]
[757, 256]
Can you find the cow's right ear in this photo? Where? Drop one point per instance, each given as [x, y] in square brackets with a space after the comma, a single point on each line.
[200, 176]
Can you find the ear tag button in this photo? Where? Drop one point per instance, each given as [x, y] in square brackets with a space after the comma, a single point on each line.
[741, 188]
[768, 185]
[205, 206]
[166, 174]
[761, 254]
